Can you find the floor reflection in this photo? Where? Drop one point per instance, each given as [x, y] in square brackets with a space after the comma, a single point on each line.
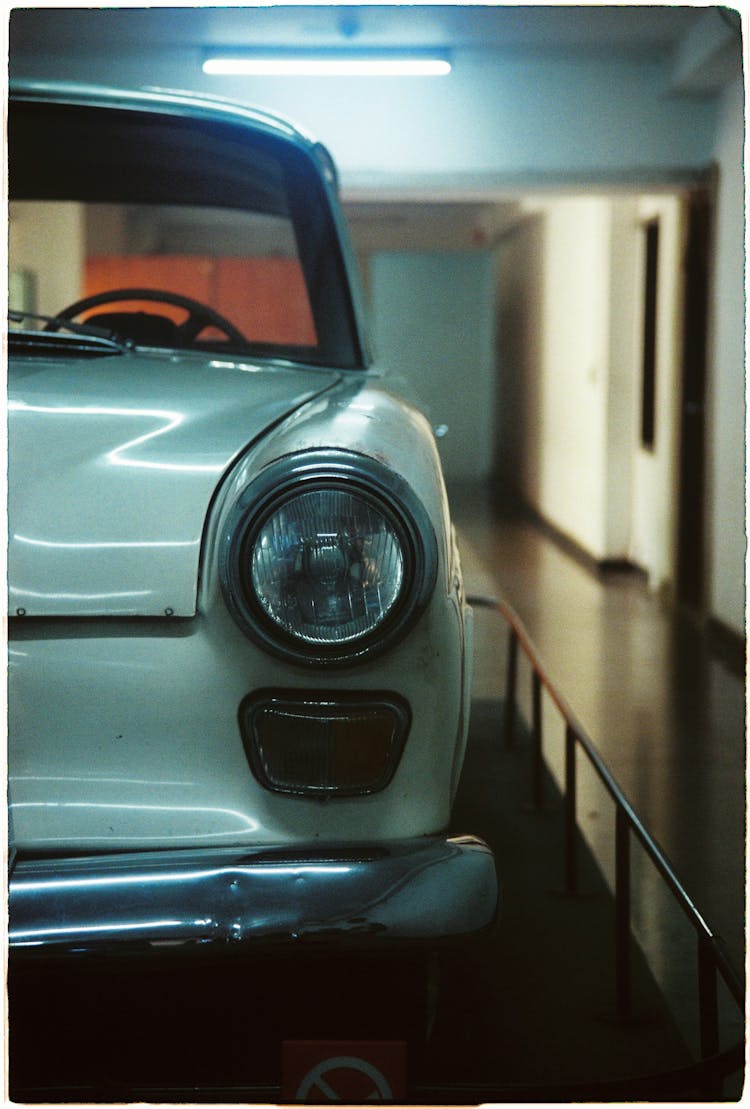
[666, 714]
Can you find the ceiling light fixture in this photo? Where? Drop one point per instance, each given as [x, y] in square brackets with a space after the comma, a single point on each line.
[321, 64]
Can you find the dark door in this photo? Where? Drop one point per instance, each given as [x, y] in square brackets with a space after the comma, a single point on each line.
[691, 526]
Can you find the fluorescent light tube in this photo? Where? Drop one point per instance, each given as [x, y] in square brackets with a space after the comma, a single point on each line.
[312, 66]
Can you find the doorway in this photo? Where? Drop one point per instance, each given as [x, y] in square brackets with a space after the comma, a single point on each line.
[691, 524]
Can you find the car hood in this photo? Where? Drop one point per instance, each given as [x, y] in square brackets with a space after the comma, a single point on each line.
[113, 463]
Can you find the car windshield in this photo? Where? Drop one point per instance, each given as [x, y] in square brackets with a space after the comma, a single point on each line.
[174, 232]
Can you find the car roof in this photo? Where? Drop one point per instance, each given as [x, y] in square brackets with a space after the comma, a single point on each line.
[165, 102]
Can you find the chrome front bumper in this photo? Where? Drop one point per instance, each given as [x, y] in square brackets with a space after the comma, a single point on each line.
[432, 889]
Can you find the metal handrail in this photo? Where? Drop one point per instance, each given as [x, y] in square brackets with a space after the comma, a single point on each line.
[712, 957]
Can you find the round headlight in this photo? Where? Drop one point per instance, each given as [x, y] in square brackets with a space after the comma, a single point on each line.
[327, 566]
[327, 563]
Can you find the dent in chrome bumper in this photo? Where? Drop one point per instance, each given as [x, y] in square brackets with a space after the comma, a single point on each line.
[431, 889]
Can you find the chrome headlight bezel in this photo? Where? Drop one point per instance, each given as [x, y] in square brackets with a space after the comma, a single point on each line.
[287, 478]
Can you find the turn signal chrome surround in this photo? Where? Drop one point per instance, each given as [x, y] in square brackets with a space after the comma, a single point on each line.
[317, 744]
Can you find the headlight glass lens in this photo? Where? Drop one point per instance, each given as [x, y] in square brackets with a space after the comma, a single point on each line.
[327, 566]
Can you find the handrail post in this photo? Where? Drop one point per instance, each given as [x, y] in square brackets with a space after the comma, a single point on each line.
[536, 738]
[707, 1000]
[622, 912]
[571, 827]
[708, 1006]
[510, 687]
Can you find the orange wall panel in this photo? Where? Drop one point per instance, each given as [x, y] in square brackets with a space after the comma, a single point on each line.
[189, 275]
[266, 298]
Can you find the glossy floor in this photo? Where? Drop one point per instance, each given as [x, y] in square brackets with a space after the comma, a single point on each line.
[667, 715]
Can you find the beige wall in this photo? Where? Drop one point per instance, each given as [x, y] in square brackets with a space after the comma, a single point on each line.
[569, 437]
[554, 308]
[47, 241]
[569, 365]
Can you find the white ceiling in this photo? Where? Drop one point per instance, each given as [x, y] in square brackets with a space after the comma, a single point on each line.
[642, 30]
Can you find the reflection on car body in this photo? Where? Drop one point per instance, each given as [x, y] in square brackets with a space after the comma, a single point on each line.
[239, 644]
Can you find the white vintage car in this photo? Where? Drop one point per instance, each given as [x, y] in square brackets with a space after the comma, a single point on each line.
[239, 647]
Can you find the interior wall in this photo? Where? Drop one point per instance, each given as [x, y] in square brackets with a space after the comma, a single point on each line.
[571, 439]
[48, 245]
[433, 326]
[560, 265]
[726, 414]
[577, 459]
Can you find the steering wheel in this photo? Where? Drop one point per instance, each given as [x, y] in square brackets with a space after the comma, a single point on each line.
[199, 317]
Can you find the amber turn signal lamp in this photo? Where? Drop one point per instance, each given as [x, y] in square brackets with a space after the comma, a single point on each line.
[315, 744]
